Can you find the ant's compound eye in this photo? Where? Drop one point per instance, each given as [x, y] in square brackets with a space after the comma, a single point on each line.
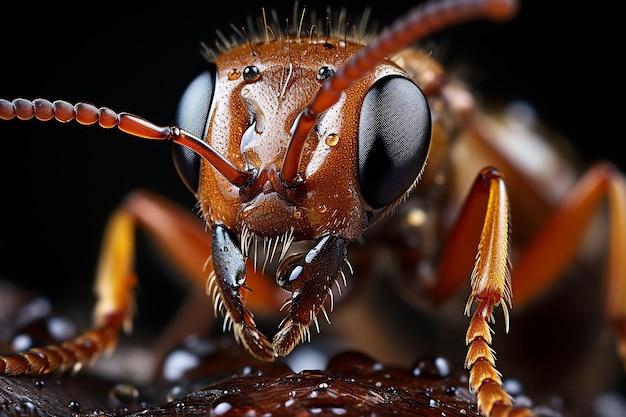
[251, 73]
[192, 115]
[393, 140]
[325, 72]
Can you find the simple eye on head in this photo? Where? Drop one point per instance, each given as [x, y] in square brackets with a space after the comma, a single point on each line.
[393, 140]
[251, 73]
[325, 72]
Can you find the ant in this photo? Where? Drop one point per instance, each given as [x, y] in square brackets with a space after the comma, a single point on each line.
[290, 179]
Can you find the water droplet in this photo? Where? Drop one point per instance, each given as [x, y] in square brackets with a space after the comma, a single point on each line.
[178, 362]
[322, 208]
[234, 405]
[74, 406]
[40, 384]
[61, 328]
[177, 392]
[513, 386]
[222, 408]
[21, 342]
[297, 214]
[124, 394]
[24, 409]
[233, 74]
[350, 362]
[433, 403]
[43, 330]
[332, 139]
[523, 401]
[450, 390]
[246, 371]
[432, 367]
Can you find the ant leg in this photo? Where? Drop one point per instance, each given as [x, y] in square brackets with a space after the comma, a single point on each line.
[113, 310]
[183, 239]
[490, 284]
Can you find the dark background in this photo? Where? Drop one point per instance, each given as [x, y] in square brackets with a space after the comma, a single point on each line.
[59, 183]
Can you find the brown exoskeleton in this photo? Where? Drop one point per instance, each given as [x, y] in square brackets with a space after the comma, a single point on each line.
[237, 188]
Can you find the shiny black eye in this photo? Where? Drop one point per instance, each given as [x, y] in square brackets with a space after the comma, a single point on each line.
[192, 115]
[251, 73]
[393, 140]
[325, 72]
